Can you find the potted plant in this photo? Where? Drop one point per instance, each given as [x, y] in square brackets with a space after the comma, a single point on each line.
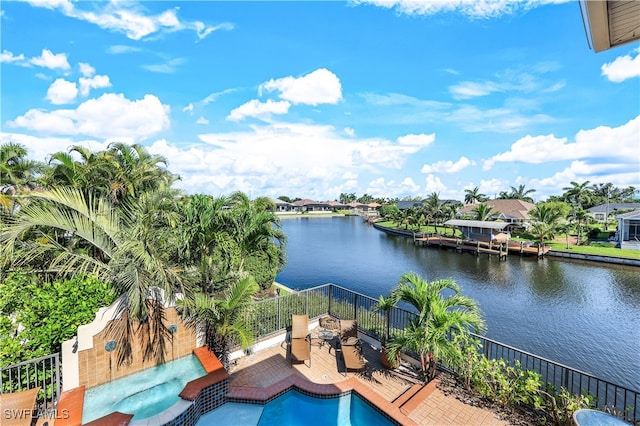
[385, 304]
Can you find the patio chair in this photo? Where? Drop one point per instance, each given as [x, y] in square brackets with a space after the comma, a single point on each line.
[18, 408]
[353, 359]
[300, 346]
[348, 331]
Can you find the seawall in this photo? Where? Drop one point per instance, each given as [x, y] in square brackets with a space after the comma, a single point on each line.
[552, 253]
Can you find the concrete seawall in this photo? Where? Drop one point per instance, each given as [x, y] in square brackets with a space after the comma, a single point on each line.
[552, 253]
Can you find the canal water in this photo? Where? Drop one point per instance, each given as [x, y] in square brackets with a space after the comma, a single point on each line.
[582, 314]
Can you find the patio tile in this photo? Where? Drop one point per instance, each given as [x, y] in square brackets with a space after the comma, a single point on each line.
[268, 372]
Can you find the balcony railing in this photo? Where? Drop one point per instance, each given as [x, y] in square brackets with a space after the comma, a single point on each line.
[272, 316]
[43, 372]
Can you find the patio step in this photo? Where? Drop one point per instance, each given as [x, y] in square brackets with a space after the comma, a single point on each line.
[406, 395]
[416, 399]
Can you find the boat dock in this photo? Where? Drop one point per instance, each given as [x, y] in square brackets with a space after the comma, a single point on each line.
[478, 247]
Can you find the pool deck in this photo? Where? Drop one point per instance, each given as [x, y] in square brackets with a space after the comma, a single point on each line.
[263, 374]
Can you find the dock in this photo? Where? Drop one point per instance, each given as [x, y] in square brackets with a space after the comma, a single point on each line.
[479, 247]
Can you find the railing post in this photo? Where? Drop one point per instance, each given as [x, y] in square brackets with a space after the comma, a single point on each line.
[355, 306]
[279, 314]
[58, 380]
[330, 294]
[306, 303]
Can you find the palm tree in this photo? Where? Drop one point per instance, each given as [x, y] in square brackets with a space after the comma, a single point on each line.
[432, 210]
[439, 309]
[578, 193]
[545, 223]
[473, 195]
[520, 193]
[224, 319]
[16, 170]
[482, 212]
[67, 232]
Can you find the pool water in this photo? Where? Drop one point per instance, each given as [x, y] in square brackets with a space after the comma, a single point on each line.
[294, 408]
[143, 394]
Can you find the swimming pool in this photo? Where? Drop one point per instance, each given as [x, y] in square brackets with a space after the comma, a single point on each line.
[143, 394]
[294, 408]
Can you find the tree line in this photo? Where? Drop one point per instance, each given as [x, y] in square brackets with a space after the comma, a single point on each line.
[114, 215]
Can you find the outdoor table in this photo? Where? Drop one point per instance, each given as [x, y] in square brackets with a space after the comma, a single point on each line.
[325, 336]
[588, 417]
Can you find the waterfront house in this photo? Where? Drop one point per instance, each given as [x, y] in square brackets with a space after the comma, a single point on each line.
[628, 235]
[506, 210]
[312, 206]
[603, 212]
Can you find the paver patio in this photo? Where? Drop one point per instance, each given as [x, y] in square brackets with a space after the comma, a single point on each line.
[268, 371]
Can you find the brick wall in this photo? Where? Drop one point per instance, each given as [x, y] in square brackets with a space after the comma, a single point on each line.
[98, 366]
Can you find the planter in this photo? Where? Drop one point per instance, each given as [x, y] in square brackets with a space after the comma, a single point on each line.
[385, 361]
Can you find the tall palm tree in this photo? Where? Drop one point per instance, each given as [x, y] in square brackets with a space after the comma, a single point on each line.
[69, 232]
[482, 212]
[439, 309]
[16, 170]
[474, 196]
[134, 170]
[545, 222]
[432, 209]
[520, 193]
[223, 318]
[578, 193]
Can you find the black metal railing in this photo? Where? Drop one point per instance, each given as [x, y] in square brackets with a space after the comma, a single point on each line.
[43, 372]
[272, 316]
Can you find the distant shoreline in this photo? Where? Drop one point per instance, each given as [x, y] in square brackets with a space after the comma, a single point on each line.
[306, 215]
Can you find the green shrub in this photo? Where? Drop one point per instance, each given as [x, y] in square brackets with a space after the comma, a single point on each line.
[37, 316]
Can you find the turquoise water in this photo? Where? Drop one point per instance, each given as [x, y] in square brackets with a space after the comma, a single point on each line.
[294, 408]
[143, 394]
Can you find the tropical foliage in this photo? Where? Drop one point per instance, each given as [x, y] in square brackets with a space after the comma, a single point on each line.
[440, 309]
[113, 214]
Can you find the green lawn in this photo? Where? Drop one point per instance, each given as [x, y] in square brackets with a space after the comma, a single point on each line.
[598, 249]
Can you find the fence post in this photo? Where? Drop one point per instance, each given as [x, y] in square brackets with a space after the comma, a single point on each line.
[306, 303]
[355, 306]
[58, 380]
[330, 293]
[279, 314]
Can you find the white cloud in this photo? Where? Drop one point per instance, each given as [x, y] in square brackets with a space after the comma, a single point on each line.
[476, 9]
[169, 67]
[86, 69]
[121, 49]
[416, 141]
[319, 87]
[470, 89]
[62, 92]
[260, 110]
[50, 60]
[502, 120]
[188, 108]
[623, 67]
[433, 184]
[595, 144]
[447, 166]
[380, 187]
[9, 57]
[349, 131]
[310, 160]
[129, 18]
[40, 148]
[110, 115]
[202, 120]
[95, 82]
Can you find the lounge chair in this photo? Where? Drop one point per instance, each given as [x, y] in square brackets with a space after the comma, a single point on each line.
[348, 330]
[18, 408]
[353, 359]
[300, 346]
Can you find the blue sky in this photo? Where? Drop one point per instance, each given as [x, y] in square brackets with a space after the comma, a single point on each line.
[313, 99]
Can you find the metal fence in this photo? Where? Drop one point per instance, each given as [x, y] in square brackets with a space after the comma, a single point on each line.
[274, 315]
[43, 372]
